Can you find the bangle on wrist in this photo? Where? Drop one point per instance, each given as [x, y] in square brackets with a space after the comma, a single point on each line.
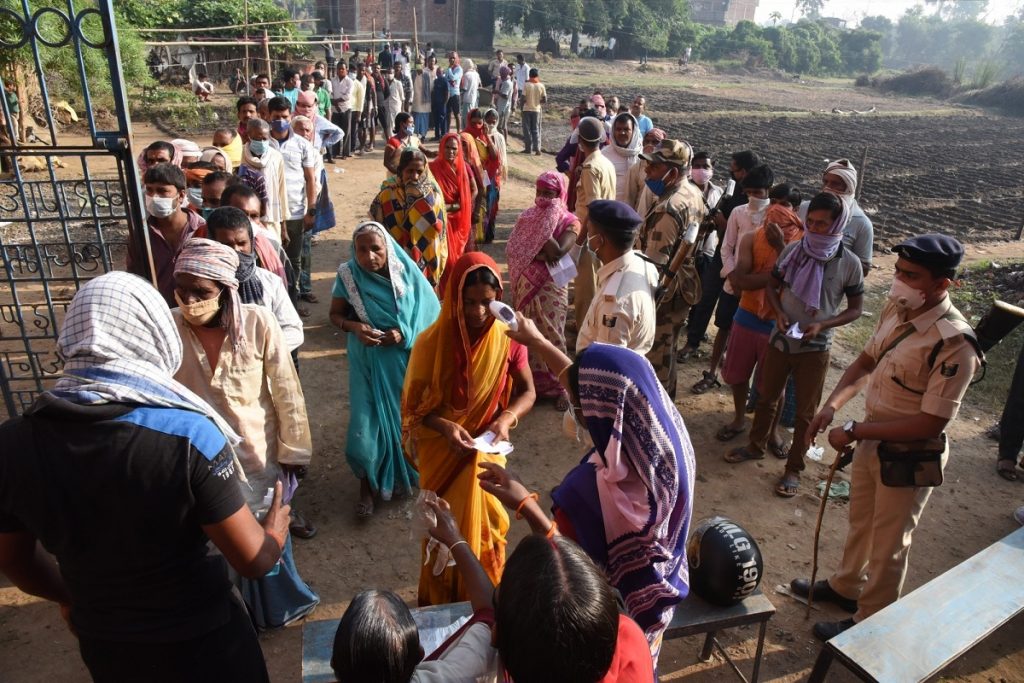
[514, 417]
[552, 530]
[519, 508]
[451, 548]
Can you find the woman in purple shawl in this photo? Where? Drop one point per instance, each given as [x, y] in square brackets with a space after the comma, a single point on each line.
[628, 503]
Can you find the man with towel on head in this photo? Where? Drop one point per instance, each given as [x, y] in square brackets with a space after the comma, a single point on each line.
[840, 178]
[622, 310]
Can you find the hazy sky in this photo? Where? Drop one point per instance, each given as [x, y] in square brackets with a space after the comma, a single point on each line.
[853, 10]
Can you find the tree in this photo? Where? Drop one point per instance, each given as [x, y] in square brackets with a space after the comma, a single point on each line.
[861, 51]
[810, 8]
[776, 17]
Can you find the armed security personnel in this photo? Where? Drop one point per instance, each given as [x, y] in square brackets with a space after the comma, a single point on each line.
[668, 234]
[917, 366]
[622, 310]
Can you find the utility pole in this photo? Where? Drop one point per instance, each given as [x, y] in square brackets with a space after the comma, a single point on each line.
[266, 55]
[456, 25]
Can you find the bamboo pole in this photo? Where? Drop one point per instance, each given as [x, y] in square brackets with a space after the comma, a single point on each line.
[456, 25]
[223, 28]
[266, 55]
[863, 168]
[415, 42]
[817, 529]
[247, 80]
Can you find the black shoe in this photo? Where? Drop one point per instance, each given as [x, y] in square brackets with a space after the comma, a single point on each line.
[822, 593]
[827, 630]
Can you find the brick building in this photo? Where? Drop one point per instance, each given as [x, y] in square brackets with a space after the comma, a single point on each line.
[722, 12]
[436, 19]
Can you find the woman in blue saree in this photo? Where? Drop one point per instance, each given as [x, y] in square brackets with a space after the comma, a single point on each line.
[383, 301]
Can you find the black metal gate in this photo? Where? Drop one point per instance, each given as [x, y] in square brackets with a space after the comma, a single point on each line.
[69, 195]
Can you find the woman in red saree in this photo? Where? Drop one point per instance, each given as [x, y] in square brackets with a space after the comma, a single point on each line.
[543, 234]
[459, 189]
[465, 377]
[490, 146]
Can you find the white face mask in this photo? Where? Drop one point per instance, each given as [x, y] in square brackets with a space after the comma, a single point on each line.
[160, 207]
[757, 204]
[195, 196]
[905, 296]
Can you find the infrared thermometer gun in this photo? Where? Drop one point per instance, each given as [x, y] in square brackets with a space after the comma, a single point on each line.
[504, 313]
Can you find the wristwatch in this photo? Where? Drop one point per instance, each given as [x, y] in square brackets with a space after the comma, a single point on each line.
[849, 427]
[311, 212]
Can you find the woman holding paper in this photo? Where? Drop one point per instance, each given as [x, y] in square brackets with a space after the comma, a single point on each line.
[465, 378]
[536, 251]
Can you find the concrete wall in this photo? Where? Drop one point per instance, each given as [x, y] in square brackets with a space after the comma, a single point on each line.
[436, 19]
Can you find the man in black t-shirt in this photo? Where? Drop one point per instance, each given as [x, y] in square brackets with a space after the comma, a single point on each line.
[121, 476]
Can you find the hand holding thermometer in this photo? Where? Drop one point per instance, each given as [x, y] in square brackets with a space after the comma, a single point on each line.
[504, 313]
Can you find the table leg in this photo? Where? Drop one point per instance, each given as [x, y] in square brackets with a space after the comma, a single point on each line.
[759, 652]
[821, 665]
[709, 642]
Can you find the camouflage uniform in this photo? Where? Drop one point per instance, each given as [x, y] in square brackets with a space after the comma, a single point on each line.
[673, 219]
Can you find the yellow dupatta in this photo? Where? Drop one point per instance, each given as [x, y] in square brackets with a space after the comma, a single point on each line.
[467, 384]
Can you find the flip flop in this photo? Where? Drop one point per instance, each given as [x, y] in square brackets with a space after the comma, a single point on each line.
[788, 486]
[1006, 470]
[728, 432]
[741, 454]
[779, 450]
[364, 510]
[562, 403]
[708, 382]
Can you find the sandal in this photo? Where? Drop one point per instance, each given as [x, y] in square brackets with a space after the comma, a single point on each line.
[742, 454]
[562, 403]
[728, 432]
[309, 297]
[788, 486]
[686, 353]
[1005, 468]
[708, 382]
[364, 510]
[779, 450]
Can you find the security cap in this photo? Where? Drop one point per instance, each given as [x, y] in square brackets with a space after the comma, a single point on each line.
[614, 215]
[939, 252]
[673, 152]
[591, 129]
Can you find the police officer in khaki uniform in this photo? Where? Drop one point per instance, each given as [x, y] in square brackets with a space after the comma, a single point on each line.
[622, 310]
[670, 228]
[918, 365]
[595, 179]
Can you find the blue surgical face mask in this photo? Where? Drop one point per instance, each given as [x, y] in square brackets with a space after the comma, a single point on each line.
[280, 126]
[409, 130]
[657, 186]
[258, 147]
[206, 211]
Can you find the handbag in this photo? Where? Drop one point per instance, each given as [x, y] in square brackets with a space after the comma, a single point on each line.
[912, 463]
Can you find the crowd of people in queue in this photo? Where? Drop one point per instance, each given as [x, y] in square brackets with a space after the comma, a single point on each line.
[196, 381]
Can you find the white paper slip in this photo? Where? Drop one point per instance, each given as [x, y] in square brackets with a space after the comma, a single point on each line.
[485, 444]
[794, 331]
[563, 271]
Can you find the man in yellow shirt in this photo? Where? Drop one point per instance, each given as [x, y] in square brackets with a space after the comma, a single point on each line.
[534, 95]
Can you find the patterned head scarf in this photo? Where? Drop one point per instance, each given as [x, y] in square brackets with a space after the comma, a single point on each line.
[212, 260]
[535, 225]
[803, 269]
[631, 497]
[189, 150]
[120, 345]
[143, 166]
[845, 170]
[250, 287]
[657, 133]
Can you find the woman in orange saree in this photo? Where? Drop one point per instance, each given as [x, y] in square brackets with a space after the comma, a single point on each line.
[459, 189]
[465, 377]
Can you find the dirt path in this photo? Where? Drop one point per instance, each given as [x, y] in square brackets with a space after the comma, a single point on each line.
[968, 513]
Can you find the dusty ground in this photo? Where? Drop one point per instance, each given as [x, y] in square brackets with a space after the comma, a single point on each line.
[968, 513]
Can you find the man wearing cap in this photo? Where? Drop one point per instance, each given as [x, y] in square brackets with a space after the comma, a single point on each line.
[840, 178]
[623, 311]
[916, 367]
[595, 180]
[670, 228]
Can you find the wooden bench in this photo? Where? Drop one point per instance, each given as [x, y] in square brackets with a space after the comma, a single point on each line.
[919, 635]
[693, 617]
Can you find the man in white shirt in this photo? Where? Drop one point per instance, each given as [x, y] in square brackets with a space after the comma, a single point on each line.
[422, 87]
[746, 219]
[394, 98]
[522, 74]
[341, 108]
[300, 183]
[495, 66]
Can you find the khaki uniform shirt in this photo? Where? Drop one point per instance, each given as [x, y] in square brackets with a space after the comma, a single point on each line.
[903, 382]
[622, 311]
[678, 215]
[597, 181]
